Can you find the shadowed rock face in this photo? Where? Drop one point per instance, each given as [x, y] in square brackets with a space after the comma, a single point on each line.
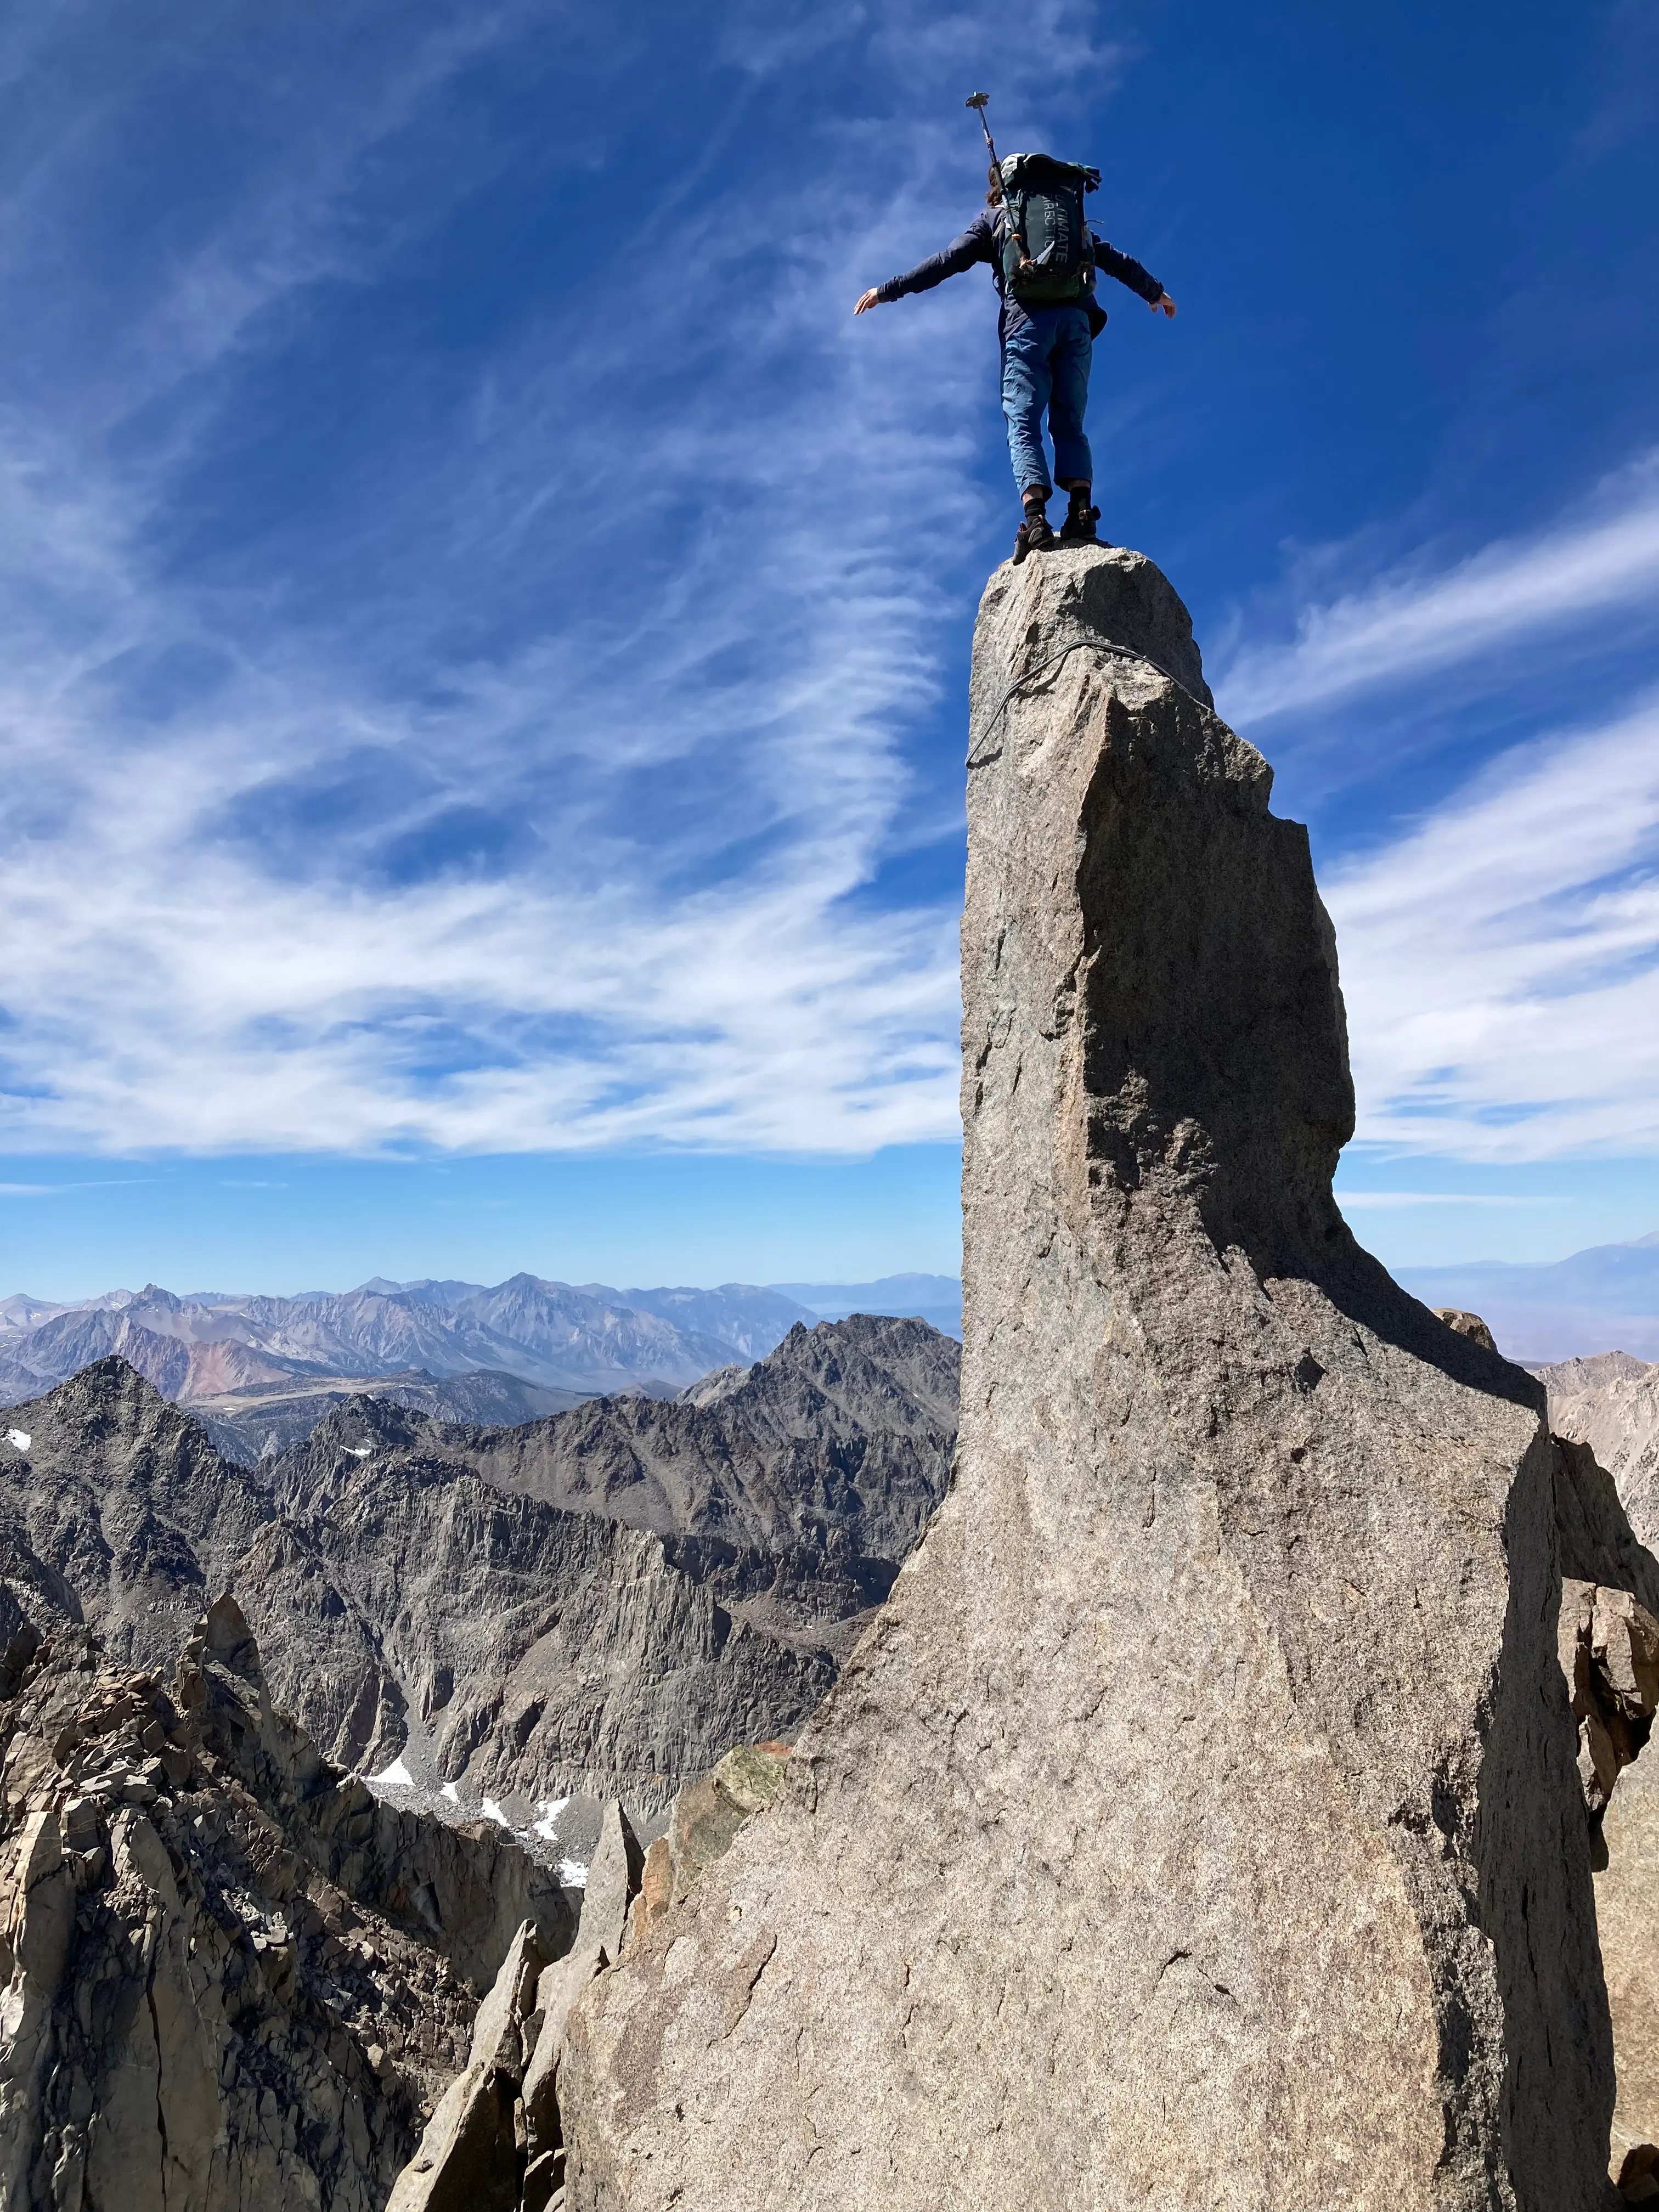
[1198, 1824]
[548, 1651]
[846, 1428]
[1612, 1400]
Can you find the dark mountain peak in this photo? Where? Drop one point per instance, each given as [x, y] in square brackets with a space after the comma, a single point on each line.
[843, 1434]
[112, 1394]
[865, 1355]
[363, 1420]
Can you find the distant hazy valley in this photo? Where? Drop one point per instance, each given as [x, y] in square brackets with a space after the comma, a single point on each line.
[1606, 1298]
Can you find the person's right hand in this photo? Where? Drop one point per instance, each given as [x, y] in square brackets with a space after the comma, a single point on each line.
[867, 300]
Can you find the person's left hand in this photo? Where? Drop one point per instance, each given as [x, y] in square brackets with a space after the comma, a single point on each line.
[1163, 302]
[867, 301]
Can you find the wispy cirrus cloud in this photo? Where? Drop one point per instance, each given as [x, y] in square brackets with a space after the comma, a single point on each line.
[1406, 624]
[65, 1189]
[1501, 958]
[521, 716]
[532, 781]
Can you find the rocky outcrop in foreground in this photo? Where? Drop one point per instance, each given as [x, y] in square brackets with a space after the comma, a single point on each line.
[1198, 1825]
[496, 2142]
[233, 1982]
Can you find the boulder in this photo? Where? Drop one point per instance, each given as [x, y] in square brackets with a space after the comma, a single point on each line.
[1467, 1324]
[1198, 1824]
[561, 1985]
[1608, 1640]
[37, 1923]
[707, 1814]
[613, 1879]
[1609, 1651]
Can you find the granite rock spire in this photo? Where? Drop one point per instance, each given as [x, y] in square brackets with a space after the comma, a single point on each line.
[1197, 1824]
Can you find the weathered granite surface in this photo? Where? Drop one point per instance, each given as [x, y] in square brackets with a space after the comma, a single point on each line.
[1627, 1908]
[1198, 1824]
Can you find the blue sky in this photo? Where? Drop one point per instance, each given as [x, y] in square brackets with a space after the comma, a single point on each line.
[486, 631]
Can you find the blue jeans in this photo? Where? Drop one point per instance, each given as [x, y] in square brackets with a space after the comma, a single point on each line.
[1046, 366]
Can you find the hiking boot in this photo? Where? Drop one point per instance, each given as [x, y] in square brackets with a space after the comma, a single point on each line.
[1078, 527]
[1034, 536]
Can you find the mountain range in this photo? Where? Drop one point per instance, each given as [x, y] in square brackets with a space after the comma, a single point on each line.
[604, 1600]
[258, 1421]
[261, 1372]
[1603, 1299]
[586, 1337]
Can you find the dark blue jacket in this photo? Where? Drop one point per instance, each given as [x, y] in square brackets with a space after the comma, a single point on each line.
[981, 241]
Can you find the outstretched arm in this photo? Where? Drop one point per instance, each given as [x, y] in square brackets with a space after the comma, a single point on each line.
[1127, 270]
[976, 245]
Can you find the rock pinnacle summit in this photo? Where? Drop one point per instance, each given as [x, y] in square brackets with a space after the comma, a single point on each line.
[1197, 1824]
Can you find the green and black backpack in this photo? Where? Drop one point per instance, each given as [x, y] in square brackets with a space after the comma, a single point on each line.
[1048, 252]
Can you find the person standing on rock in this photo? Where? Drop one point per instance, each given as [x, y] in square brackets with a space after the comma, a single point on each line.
[1043, 259]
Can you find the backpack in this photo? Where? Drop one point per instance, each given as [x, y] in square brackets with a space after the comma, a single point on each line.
[1047, 253]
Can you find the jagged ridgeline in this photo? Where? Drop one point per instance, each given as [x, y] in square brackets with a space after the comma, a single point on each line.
[606, 1601]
